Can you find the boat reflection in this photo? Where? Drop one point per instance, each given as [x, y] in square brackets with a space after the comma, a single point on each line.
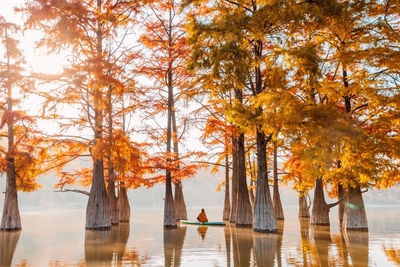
[173, 244]
[106, 247]
[202, 230]
[8, 243]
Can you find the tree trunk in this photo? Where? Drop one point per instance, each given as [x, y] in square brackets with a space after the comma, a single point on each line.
[98, 210]
[303, 207]
[112, 198]
[341, 194]
[180, 206]
[169, 206]
[320, 210]
[244, 216]
[277, 199]
[235, 169]
[355, 217]
[252, 178]
[10, 219]
[124, 207]
[227, 202]
[264, 215]
[8, 243]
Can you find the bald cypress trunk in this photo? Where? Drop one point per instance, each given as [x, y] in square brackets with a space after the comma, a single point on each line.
[180, 206]
[277, 198]
[227, 202]
[235, 165]
[98, 210]
[124, 207]
[320, 210]
[355, 217]
[303, 207]
[244, 216]
[10, 219]
[264, 215]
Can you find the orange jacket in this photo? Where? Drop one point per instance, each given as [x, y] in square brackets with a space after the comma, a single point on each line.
[202, 217]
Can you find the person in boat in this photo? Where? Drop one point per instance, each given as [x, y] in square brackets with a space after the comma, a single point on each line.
[202, 216]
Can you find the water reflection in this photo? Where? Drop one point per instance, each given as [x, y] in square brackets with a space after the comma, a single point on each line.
[242, 239]
[8, 243]
[106, 247]
[322, 240]
[173, 244]
[266, 246]
[392, 253]
[228, 238]
[202, 230]
[358, 244]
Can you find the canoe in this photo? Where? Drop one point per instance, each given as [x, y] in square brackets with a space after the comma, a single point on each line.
[204, 223]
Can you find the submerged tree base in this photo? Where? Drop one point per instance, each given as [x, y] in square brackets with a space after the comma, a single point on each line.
[265, 231]
[10, 229]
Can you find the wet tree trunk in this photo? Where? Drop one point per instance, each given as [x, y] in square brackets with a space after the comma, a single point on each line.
[277, 198]
[180, 206]
[98, 210]
[320, 210]
[10, 219]
[264, 215]
[124, 207]
[235, 164]
[227, 202]
[303, 207]
[112, 198]
[244, 216]
[355, 217]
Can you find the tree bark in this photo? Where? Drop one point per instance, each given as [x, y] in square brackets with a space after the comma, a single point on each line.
[303, 207]
[320, 210]
[264, 215]
[10, 219]
[227, 202]
[98, 210]
[277, 198]
[180, 206]
[112, 197]
[124, 207]
[8, 243]
[355, 217]
[169, 205]
[235, 165]
[244, 216]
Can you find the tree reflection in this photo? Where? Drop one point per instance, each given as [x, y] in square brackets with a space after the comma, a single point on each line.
[392, 253]
[322, 239]
[266, 246]
[8, 243]
[228, 238]
[106, 247]
[242, 245]
[357, 243]
[173, 244]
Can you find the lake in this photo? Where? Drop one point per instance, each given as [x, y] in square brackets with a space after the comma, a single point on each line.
[58, 238]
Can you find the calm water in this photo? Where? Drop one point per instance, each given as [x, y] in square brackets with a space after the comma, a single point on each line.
[58, 238]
